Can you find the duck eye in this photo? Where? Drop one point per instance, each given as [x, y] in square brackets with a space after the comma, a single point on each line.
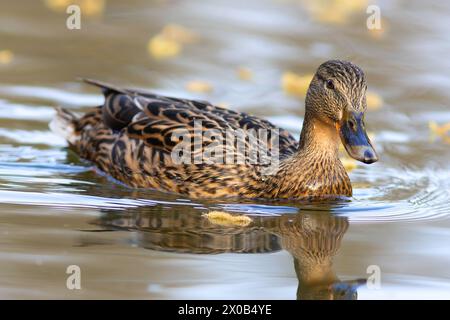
[330, 84]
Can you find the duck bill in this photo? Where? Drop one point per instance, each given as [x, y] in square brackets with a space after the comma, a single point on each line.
[354, 138]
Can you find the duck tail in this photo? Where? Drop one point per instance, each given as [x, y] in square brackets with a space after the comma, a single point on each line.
[106, 87]
[64, 124]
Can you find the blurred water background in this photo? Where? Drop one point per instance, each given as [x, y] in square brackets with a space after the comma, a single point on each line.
[253, 56]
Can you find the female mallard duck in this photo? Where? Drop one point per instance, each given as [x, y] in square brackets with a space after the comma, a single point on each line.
[135, 137]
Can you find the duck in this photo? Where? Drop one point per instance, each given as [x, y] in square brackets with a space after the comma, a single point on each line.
[182, 146]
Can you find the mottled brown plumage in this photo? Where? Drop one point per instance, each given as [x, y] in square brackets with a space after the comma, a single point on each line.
[133, 137]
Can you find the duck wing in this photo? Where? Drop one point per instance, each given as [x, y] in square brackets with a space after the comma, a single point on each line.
[154, 118]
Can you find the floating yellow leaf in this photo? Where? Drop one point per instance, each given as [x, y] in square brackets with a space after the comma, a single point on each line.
[294, 84]
[199, 86]
[227, 219]
[441, 131]
[179, 34]
[331, 16]
[374, 101]
[349, 163]
[169, 42]
[244, 73]
[379, 33]
[334, 11]
[92, 7]
[58, 5]
[160, 47]
[87, 7]
[6, 56]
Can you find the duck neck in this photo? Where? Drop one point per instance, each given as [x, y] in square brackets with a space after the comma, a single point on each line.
[315, 169]
[318, 138]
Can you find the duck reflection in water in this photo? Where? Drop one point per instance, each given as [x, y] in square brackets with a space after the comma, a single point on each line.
[312, 238]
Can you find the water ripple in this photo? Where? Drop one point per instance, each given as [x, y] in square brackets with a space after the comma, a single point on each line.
[396, 195]
[57, 96]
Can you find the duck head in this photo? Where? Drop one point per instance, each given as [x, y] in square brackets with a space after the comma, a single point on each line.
[337, 97]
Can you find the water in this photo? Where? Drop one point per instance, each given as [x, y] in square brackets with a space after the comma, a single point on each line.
[56, 210]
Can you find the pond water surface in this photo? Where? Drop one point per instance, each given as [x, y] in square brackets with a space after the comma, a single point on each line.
[56, 211]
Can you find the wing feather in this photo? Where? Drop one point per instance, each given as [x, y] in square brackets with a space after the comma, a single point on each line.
[154, 118]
